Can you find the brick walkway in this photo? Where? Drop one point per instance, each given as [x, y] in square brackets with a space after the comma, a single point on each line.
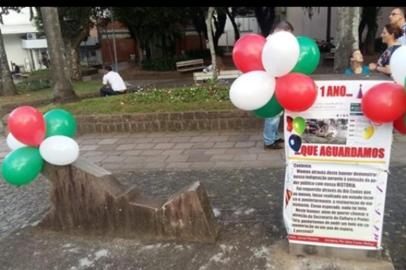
[124, 152]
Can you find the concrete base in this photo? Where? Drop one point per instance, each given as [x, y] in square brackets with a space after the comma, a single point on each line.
[303, 257]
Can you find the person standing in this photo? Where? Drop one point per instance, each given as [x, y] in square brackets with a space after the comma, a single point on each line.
[390, 35]
[272, 139]
[113, 84]
[397, 18]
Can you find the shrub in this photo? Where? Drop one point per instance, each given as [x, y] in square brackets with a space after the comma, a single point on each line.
[33, 85]
[162, 64]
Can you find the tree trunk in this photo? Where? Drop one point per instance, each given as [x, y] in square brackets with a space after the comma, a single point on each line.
[265, 18]
[347, 36]
[219, 23]
[211, 43]
[328, 30]
[76, 72]
[235, 26]
[280, 14]
[62, 86]
[140, 53]
[6, 80]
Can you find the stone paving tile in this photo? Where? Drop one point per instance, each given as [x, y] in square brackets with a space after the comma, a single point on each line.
[215, 151]
[108, 141]
[133, 160]
[246, 157]
[90, 141]
[144, 146]
[244, 144]
[237, 151]
[106, 147]
[239, 138]
[96, 158]
[183, 146]
[257, 137]
[177, 158]
[218, 139]
[111, 159]
[87, 147]
[164, 146]
[222, 157]
[224, 145]
[131, 153]
[136, 140]
[153, 152]
[161, 140]
[171, 152]
[267, 156]
[203, 145]
[198, 158]
[200, 138]
[180, 139]
[93, 153]
[125, 146]
[155, 158]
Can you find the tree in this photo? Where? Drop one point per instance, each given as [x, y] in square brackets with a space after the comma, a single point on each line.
[75, 25]
[62, 86]
[211, 42]
[7, 87]
[265, 18]
[369, 20]
[231, 15]
[154, 29]
[347, 36]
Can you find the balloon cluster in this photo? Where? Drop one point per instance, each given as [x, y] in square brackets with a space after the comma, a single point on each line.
[34, 138]
[386, 102]
[274, 73]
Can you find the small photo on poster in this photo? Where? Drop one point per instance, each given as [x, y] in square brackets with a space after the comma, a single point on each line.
[325, 131]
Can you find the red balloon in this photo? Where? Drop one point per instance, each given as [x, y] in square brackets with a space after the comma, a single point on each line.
[295, 92]
[27, 125]
[384, 102]
[289, 123]
[247, 52]
[400, 124]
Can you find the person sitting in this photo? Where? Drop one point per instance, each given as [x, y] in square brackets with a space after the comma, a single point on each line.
[389, 36]
[356, 67]
[15, 69]
[113, 84]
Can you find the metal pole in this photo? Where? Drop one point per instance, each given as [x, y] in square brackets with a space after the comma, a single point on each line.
[114, 43]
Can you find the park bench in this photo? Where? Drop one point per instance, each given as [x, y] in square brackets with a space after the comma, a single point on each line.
[188, 65]
[223, 75]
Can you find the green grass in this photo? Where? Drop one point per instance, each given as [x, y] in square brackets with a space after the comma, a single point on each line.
[25, 97]
[162, 100]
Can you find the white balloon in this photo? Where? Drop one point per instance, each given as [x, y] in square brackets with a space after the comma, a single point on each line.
[280, 53]
[398, 65]
[13, 143]
[252, 90]
[59, 150]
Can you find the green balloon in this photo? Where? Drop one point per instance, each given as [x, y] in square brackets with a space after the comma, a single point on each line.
[60, 122]
[309, 56]
[299, 125]
[22, 166]
[271, 109]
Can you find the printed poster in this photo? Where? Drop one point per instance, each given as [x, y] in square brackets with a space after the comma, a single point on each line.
[337, 169]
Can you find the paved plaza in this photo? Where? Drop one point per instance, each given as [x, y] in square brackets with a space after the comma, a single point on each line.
[244, 184]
